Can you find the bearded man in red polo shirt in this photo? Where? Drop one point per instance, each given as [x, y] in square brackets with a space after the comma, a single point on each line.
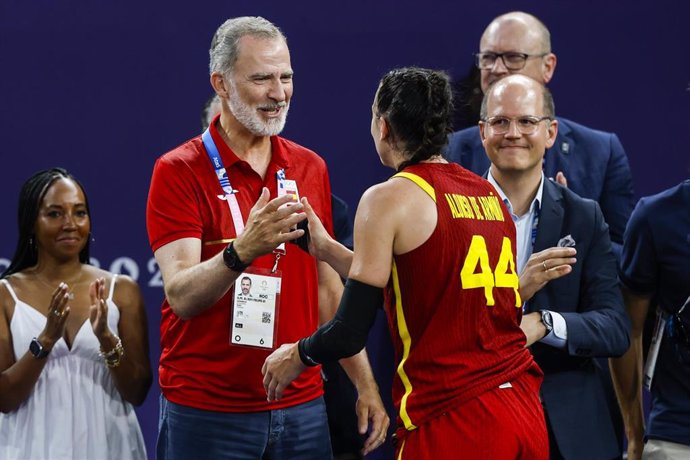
[210, 219]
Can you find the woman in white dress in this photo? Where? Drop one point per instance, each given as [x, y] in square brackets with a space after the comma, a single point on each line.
[73, 338]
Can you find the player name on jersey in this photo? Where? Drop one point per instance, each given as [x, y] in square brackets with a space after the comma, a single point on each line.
[474, 207]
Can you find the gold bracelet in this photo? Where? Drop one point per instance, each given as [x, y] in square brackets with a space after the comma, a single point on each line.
[114, 356]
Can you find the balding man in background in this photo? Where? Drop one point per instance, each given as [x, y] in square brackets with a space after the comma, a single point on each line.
[591, 163]
[573, 309]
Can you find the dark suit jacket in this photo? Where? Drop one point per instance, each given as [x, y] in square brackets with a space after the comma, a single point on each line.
[594, 163]
[590, 301]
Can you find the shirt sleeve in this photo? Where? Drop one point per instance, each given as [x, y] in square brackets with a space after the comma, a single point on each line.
[617, 197]
[638, 271]
[558, 337]
[172, 209]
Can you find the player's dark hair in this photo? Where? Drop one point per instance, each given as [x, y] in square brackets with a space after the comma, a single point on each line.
[417, 104]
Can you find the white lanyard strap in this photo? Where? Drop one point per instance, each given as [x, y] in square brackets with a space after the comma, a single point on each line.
[222, 175]
[229, 193]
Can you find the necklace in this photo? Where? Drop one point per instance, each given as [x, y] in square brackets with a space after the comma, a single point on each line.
[70, 284]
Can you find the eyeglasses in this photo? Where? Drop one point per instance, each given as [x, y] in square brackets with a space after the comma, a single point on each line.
[526, 124]
[512, 60]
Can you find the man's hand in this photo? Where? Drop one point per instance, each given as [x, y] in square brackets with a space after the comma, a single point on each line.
[370, 409]
[545, 266]
[280, 369]
[561, 179]
[268, 226]
[533, 328]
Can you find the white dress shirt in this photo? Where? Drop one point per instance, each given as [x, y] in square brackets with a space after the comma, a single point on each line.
[523, 225]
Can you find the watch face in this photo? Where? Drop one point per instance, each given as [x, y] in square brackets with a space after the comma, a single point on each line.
[546, 319]
[232, 261]
[37, 350]
[230, 257]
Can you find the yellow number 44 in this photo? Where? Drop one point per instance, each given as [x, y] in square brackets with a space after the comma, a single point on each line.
[504, 276]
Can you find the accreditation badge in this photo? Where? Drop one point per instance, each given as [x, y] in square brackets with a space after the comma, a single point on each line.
[654, 347]
[255, 301]
[288, 187]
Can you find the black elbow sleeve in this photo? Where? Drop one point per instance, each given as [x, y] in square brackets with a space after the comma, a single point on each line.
[346, 334]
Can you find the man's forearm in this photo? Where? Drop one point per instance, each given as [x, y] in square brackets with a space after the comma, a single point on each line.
[194, 289]
[358, 370]
[626, 373]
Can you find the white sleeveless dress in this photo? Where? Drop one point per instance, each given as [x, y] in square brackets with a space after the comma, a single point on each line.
[74, 411]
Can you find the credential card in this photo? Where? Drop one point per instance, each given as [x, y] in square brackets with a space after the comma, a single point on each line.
[255, 307]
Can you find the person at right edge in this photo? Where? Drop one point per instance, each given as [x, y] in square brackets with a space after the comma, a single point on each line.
[465, 385]
[655, 273]
[589, 162]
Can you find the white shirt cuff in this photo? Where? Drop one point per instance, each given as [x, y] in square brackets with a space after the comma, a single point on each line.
[558, 337]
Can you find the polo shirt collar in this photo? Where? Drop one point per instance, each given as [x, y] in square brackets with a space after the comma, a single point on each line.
[279, 157]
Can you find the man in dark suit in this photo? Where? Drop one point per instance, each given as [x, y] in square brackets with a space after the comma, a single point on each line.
[568, 279]
[591, 163]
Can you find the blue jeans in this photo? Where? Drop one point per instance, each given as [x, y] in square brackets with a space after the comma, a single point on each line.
[298, 432]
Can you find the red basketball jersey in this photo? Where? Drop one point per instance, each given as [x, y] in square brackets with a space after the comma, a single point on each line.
[452, 303]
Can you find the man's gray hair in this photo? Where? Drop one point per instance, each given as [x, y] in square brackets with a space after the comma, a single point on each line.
[225, 44]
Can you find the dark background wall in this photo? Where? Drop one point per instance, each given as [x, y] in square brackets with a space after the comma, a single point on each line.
[104, 88]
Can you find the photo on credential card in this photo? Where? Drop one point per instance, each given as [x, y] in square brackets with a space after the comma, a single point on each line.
[255, 302]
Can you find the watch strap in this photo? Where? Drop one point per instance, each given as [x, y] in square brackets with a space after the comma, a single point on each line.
[232, 260]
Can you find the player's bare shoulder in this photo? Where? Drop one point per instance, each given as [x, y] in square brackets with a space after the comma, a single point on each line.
[397, 194]
[383, 203]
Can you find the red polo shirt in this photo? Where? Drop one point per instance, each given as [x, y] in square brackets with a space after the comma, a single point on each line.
[198, 365]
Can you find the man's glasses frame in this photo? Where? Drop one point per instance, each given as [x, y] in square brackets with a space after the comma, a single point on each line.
[526, 124]
[511, 60]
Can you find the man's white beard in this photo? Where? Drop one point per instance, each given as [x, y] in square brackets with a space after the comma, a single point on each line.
[250, 118]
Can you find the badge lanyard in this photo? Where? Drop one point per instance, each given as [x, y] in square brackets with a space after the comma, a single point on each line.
[255, 304]
[535, 224]
[535, 227]
[229, 192]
